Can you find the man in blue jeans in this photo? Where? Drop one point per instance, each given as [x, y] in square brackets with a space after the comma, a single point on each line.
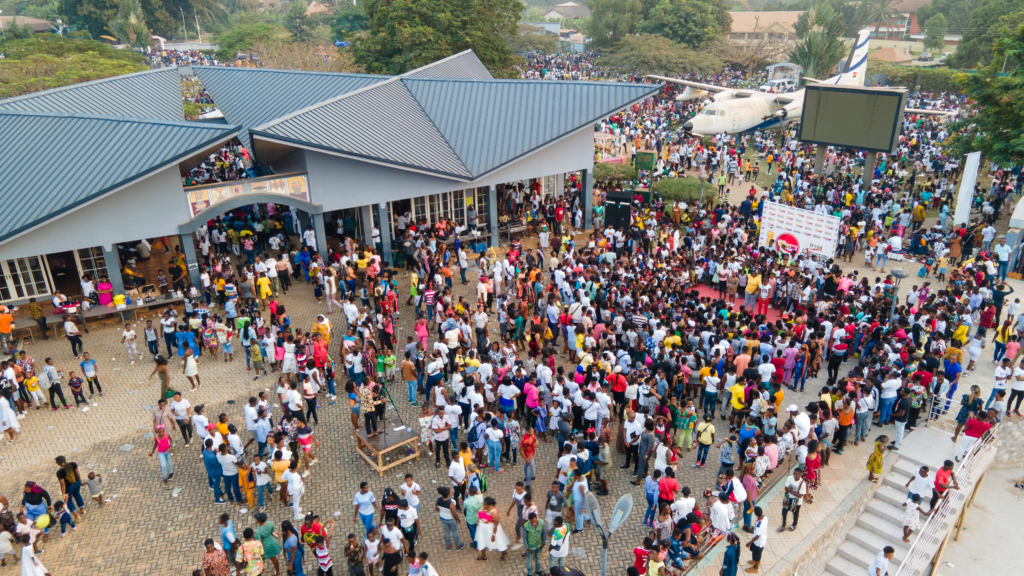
[888, 398]
[409, 375]
[213, 470]
[711, 382]
[705, 438]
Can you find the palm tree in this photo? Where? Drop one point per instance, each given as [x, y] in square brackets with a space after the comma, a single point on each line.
[883, 10]
[130, 26]
[821, 45]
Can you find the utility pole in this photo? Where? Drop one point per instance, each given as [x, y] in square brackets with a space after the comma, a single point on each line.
[183, 29]
[198, 32]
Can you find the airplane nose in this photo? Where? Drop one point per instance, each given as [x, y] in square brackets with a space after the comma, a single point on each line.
[688, 126]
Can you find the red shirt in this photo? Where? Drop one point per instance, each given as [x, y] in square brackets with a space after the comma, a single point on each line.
[618, 382]
[528, 446]
[312, 531]
[926, 378]
[667, 488]
[975, 428]
[640, 563]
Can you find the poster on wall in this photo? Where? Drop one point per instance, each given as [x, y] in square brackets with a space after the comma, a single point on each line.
[798, 231]
[202, 199]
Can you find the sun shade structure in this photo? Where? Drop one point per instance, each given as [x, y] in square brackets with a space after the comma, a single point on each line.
[150, 94]
[98, 155]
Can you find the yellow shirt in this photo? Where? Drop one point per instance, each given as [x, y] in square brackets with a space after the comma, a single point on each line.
[279, 466]
[673, 340]
[32, 383]
[753, 284]
[738, 396]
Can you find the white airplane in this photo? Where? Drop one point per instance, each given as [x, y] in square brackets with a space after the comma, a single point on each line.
[736, 110]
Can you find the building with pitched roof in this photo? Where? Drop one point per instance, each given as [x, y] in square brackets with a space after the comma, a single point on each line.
[96, 169]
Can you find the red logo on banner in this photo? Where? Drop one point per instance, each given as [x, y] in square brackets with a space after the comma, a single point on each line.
[788, 243]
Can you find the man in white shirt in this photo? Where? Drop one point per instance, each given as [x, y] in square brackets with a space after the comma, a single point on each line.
[683, 506]
[887, 400]
[880, 566]
[720, 515]
[802, 422]
[1002, 380]
[759, 540]
[309, 236]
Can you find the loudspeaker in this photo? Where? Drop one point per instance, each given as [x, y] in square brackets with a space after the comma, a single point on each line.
[617, 209]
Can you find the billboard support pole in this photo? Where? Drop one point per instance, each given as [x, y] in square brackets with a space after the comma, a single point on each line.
[819, 159]
[869, 167]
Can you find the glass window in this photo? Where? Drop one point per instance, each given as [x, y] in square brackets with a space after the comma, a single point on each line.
[481, 207]
[91, 261]
[24, 278]
[419, 209]
[459, 205]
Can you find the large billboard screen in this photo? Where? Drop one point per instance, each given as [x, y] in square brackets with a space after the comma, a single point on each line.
[853, 117]
[798, 231]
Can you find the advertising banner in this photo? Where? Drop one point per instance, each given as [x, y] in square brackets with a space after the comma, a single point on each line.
[966, 195]
[798, 231]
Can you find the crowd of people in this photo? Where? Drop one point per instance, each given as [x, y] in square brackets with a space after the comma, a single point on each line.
[658, 345]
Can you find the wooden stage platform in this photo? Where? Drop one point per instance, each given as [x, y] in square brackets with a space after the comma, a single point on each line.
[396, 443]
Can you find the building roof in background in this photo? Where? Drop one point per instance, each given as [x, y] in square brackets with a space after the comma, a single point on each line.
[908, 6]
[97, 155]
[568, 10]
[249, 97]
[316, 8]
[35, 24]
[150, 94]
[435, 125]
[743, 22]
[890, 54]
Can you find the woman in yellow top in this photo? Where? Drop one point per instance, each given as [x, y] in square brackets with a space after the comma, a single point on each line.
[263, 290]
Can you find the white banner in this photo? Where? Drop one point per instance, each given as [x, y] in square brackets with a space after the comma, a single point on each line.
[798, 231]
[966, 195]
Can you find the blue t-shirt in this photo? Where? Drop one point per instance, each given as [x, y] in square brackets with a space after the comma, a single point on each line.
[88, 367]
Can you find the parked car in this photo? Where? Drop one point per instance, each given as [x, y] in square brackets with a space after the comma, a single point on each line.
[925, 57]
[778, 86]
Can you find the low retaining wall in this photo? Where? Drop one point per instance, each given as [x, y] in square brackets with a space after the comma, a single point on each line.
[1010, 443]
[814, 552]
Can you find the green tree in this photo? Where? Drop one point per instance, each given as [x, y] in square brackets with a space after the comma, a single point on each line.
[957, 13]
[935, 32]
[349, 19]
[612, 20]
[983, 29]
[297, 23]
[406, 34]
[650, 54]
[92, 15]
[130, 25]
[532, 39]
[50, 61]
[819, 46]
[692, 22]
[995, 128]
[244, 34]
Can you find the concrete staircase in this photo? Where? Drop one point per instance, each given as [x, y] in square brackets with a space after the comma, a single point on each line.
[881, 525]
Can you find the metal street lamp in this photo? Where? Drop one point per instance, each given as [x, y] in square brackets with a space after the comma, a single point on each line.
[2, 34]
[898, 275]
[619, 514]
[183, 29]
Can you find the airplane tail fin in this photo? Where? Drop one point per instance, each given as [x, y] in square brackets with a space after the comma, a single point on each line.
[857, 62]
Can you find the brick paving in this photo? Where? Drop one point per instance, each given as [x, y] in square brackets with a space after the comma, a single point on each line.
[156, 528]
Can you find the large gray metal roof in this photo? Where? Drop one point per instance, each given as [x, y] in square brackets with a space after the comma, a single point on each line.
[382, 122]
[490, 123]
[95, 155]
[462, 65]
[461, 128]
[149, 94]
[250, 97]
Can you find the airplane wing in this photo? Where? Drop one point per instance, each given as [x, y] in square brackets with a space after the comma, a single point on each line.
[929, 112]
[712, 88]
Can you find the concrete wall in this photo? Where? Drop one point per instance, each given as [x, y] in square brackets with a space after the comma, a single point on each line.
[337, 183]
[811, 556]
[1010, 444]
[152, 207]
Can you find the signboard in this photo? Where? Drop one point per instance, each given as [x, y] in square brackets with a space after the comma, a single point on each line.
[966, 196]
[645, 160]
[202, 199]
[798, 231]
[852, 116]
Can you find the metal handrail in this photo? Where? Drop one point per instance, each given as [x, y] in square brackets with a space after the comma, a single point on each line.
[970, 470]
[708, 535]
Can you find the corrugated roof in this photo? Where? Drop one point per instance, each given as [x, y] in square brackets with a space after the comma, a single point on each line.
[148, 94]
[251, 97]
[490, 123]
[381, 122]
[462, 65]
[455, 127]
[96, 154]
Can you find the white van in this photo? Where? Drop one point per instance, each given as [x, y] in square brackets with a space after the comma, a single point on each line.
[778, 86]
